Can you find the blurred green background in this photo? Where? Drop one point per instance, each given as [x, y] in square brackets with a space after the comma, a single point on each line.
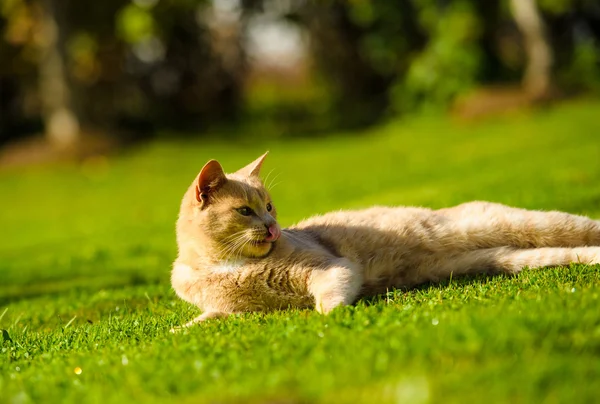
[93, 74]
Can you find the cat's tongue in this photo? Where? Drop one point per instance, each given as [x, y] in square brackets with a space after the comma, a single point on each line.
[274, 233]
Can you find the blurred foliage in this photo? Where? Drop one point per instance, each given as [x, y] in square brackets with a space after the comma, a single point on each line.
[426, 52]
[138, 65]
[448, 65]
[135, 24]
[582, 73]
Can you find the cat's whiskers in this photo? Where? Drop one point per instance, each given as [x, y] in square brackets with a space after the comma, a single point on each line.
[234, 247]
[231, 249]
[274, 185]
[232, 254]
[238, 255]
[268, 175]
[232, 242]
[246, 240]
[270, 186]
[233, 236]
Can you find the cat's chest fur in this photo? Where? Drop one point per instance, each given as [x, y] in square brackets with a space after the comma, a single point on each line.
[227, 266]
[243, 285]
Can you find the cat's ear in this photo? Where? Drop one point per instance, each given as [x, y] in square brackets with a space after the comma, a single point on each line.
[211, 178]
[253, 169]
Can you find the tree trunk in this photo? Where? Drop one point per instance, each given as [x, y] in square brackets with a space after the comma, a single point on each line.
[61, 122]
[537, 79]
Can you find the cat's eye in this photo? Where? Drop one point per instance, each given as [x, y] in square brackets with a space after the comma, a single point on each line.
[269, 207]
[245, 211]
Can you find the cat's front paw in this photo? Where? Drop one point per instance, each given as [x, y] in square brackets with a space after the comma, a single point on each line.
[336, 286]
[325, 304]
[209, 315]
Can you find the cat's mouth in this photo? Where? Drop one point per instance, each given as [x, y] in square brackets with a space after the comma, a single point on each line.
[273, 234]
[261, 248]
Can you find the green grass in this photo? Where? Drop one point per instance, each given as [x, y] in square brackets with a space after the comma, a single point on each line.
[85, 254]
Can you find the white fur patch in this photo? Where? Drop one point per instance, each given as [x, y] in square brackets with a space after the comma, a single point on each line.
[226, 267]
[182, 271]
[182, 278]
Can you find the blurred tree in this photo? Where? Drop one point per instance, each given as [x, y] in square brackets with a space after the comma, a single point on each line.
[449, 64]
[162, 65]
[115, 64]
[537, 78]
[491, 23]
[60, 121]
[341, 51]
[197, 78]
[11, 86]
[423, 53]
[573, 29]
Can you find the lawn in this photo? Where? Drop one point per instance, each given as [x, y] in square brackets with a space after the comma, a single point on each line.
[85, 254]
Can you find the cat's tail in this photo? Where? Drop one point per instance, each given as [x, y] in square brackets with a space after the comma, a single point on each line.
[507, 260]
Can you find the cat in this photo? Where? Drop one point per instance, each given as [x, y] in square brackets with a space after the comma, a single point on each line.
[234, 257]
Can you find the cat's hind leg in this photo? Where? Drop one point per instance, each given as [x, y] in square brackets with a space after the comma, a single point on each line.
[485, 224]
[501, 260]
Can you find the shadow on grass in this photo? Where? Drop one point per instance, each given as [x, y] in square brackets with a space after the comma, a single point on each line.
[458, 282]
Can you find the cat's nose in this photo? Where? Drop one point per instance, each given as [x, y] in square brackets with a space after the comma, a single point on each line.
[274, 232]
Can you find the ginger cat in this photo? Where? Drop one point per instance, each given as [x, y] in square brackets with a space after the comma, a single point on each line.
[234, 257]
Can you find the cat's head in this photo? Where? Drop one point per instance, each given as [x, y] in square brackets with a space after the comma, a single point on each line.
[233, 214]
